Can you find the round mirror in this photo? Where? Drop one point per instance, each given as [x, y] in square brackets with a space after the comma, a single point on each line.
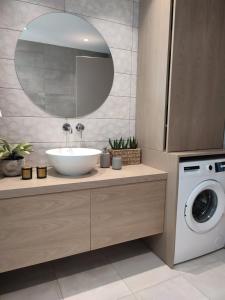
[64, 65]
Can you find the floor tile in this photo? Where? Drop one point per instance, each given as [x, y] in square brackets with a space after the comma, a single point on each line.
[200, 264]
[129, 297]
[32, 283]
[138, 266]
[206, 273]
[89, 276]
[44, 291]
[211, 281]
[128, 271]
[220, 255]
[175, 289]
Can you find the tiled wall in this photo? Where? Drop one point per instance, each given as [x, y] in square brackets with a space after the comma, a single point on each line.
[117, 21]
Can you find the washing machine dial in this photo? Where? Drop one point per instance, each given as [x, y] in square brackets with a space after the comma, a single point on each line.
[210, 167]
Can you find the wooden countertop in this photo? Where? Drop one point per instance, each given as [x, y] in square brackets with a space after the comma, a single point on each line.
[16, 187]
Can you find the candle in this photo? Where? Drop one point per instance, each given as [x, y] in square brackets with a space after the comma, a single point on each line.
[26, 173]
[41, 172]
[116, 162]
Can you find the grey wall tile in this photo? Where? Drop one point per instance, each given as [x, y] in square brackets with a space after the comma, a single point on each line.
[8, 76]
[60, 103]
[29, 129]
[14, 103]
[38, 156]
[31, 79]
[117, 10]
[116, 35]
[121, 60]
[136, 14]
[101, 129]
[58, 4]
[58, 83]
[95, 145]
[112, 108]
[16, 15]
[132, 108]
[8, 40]
[134, 62]
[29, 59]
[135, 39]
[58, 58]
[133, 85]
[132, 128]
[121, 85]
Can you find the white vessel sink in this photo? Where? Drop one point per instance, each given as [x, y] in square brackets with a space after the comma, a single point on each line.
[73, 161]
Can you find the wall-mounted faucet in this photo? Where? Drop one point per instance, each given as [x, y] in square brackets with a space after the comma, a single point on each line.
[67, 128]
[80, 128]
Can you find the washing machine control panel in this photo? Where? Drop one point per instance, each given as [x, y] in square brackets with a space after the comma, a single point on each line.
[191, 168]
[220, 166]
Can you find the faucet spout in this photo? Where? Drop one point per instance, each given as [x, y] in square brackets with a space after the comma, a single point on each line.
[67, 128]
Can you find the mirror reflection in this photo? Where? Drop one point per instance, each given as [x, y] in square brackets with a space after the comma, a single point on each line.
[64, 65]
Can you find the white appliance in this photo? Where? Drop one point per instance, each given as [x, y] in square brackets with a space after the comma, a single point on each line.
[200, 225]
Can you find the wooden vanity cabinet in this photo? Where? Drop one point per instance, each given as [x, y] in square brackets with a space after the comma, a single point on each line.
[181, 75]
[40, 228]
[124, 213]
[36, 229]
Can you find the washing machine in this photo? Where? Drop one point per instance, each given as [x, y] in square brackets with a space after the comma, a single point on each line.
[200, 223]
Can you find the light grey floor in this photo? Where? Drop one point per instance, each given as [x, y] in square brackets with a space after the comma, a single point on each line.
[126, 272]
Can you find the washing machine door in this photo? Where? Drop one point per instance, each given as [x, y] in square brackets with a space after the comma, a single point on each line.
[205, 206]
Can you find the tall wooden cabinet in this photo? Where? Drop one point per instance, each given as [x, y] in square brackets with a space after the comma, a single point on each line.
[181, 74]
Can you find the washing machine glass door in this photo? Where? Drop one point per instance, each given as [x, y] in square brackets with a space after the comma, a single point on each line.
[205, 206]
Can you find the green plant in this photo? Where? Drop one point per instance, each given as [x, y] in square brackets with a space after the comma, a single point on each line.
[133, 143]
[130, 143]
[116, 144]
[14, 151]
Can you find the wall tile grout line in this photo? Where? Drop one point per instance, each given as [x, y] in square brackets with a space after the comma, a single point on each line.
[131, 66]
[57, 280]
[159, 283]
[10, 29]
[75, 119]
[79, 13]
[195, 287]
[97, 18]
[38, 4]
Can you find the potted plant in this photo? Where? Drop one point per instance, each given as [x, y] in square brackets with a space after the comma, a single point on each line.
[127, 149]
[12, 157]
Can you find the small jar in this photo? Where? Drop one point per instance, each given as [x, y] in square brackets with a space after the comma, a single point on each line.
[105, 159]
[26, 173]
[41, 172]
[117, 163]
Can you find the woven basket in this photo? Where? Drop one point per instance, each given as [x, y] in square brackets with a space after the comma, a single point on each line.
[129, 156]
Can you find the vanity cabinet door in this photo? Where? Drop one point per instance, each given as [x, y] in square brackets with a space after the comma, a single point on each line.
[42, 228]
[128, 212]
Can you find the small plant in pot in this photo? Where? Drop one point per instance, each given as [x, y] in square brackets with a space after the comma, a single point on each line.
[12, 157]
[127, 149]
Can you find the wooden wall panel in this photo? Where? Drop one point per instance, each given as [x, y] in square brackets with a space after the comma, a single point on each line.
[154, 33]
[197, 89]
[164, 244]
